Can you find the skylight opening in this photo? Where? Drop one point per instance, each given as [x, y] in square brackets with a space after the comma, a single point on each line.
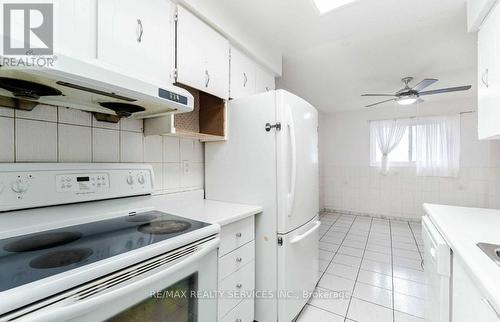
[325, 6]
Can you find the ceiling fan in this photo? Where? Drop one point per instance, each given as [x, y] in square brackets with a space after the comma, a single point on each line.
[409, 95]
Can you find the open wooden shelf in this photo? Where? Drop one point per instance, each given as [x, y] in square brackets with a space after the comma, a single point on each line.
[207, 121]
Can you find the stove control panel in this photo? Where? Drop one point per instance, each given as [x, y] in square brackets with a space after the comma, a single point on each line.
[82, 183]
[26, 185]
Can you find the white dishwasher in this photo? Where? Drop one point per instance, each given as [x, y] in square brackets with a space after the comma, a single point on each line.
[437, 268]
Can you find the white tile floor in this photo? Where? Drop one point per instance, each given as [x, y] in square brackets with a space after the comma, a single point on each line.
[370, 271]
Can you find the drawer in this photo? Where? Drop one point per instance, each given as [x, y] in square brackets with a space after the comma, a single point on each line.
[236, 234]
[243, 312]
[236, 259]
[236, 287]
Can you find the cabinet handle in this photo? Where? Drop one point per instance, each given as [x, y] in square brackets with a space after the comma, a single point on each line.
[484, 78]
[238, 320]
[245, 79]
[207, 78]
[238, 235]
[239, 285]
[139, 30]
[488, 304]
[239, 259]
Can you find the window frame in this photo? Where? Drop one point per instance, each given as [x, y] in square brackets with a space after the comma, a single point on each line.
[411, 157]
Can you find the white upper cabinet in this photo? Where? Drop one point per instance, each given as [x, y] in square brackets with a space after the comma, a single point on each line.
[136, 38]
[75, 28]
[202, 56]
[265, 81]
[243, 70]
[489, 77]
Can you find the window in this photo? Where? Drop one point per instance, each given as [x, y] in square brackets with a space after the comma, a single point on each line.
[404, 154]
[431, 143]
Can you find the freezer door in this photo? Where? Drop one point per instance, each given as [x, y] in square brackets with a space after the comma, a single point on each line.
[297, 157]
[298, 266]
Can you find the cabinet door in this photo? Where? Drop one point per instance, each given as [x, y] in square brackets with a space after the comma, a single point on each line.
[468, 302]
[135, 38]
[242, 77]
[202, 55]
[75, 28]
[489, 77]
[264, 80]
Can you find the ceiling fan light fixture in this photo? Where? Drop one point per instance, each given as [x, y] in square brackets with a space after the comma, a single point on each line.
[407, 100]
[325, 6]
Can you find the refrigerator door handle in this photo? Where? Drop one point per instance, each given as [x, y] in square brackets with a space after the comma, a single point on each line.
[307, 233]
[293, 170]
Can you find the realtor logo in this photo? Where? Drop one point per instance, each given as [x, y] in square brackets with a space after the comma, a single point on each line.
[28, 29]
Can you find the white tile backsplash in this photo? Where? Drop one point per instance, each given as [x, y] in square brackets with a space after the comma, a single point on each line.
[171, 149]
[132, 125]
[105, 125]
[171, 176]
[36, 141]
[6, 139]
[40, 112]
[153, 149]
[5, 111]
[75, 143]
[49, 134]
[73, 116]
[131, 147]
[106, 144]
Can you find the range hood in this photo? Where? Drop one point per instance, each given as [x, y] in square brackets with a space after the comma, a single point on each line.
[89, 86]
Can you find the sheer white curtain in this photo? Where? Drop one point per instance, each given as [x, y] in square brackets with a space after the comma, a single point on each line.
[438, 146]
[388, 134]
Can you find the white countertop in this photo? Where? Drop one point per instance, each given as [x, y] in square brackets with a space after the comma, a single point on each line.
[185, 204]
[210, 211]
[463, 228]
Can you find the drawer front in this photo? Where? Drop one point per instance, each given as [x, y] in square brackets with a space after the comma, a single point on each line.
[236, 234]
[243, 312]
[236, 259]
[235, 288]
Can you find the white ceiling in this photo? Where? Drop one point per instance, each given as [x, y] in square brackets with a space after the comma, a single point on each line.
[368, 46]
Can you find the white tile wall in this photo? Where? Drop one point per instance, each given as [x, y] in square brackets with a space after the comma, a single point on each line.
[49, 134]
[402, 193]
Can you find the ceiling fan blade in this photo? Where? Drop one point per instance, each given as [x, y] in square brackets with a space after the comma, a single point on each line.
[375, 95]
[392, 99]
[424, 84]
[446, 90]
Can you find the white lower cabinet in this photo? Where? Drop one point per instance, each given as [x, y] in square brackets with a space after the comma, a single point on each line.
[237, 272]
[468, 303]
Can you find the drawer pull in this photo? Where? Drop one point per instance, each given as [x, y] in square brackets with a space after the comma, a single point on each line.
[238, 320]
[239, 259]
[239, 285]
[238, 235]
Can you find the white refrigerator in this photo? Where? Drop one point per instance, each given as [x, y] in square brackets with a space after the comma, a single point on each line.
[271, 159]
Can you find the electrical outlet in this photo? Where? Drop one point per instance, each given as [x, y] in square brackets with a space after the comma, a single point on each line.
[185, 167]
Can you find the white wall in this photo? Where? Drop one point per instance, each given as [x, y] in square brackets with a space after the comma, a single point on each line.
[349, 183]
[50, 134]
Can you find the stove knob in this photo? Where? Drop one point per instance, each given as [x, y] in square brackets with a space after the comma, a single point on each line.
[141, 179]
[130, 180]
[20, 186]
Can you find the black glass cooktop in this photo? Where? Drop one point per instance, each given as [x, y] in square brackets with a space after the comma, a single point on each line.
[29, 258]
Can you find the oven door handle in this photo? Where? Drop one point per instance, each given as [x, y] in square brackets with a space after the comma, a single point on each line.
[75, 310]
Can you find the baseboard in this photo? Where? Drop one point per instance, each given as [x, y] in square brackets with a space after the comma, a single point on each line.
[370, 215]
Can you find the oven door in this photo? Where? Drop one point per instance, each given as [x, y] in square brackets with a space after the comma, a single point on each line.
[179, 286]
